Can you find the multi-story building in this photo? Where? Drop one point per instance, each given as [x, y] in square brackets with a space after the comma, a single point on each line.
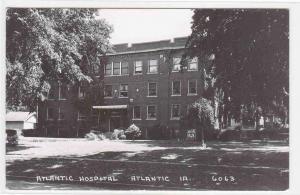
[142, 83]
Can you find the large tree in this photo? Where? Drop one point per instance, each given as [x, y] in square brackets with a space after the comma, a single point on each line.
[50, 44]
[245, 52]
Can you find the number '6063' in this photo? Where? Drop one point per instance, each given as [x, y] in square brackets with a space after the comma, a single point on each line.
[225, 178]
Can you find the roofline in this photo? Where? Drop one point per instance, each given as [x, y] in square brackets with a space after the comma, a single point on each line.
[30, 114]
[144, 51]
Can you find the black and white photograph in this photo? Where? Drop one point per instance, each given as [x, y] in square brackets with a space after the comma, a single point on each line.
[154, 99]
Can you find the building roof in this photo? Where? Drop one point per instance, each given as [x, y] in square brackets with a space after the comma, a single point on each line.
[169, 44]
[19, 116]
[111, 107]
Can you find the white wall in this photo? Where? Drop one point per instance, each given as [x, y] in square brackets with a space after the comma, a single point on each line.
[14, 125]
[28, 125]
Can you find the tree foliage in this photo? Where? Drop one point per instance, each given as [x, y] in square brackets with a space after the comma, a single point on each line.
[201, 116]
[246, 52]
[50, 44]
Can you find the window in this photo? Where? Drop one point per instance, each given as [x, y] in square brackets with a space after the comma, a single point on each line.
[81, 92]
[192, 87]
[136, 112]
[107, 90]
[123, 90]
[152, 89]
[124, 68]
[96, 67]
[175, 111]
[63, 90]
[138, 67]
[116, 68]
[82, 115]
[61, 114]
[176, 88]
[51, 93]
[176, 64]
[108, 69]
[151, 112]
[50, 113]
[153, 66]
[193, 64]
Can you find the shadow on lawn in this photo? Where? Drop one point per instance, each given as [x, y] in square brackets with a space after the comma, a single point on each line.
[171, 158]
[245, 179]
[17, 148]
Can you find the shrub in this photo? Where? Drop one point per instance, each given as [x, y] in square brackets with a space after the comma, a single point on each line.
[118, 134]
[133, 132]
[94, 136]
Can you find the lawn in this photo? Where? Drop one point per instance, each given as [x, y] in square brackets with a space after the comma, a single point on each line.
[252, 165]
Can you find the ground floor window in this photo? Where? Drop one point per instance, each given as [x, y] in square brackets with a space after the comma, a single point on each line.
[50, 113]
[151, 112]
[61, 114]
[136, 112]
[82, 115]
[175, 111]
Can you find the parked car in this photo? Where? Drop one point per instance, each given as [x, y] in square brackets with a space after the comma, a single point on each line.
[12, 137]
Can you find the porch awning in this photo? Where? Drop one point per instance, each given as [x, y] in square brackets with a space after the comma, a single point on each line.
[111, 107]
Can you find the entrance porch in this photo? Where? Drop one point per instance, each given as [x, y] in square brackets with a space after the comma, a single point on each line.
[112, 117]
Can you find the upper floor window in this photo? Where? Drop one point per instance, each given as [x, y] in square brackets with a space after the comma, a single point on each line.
[81, 92]
[108, 69]
[63, 90]
[152, 89]
[107, 90]
[192, 88]
[153, 66]
[176, 88]
[138, 67]
[124, 68]
[124, 90]
[151, 112]
[96, 66]
[175, 111]
[51, 93]
[136, 112]
[176, 64]
[116, 68]
[193, 64]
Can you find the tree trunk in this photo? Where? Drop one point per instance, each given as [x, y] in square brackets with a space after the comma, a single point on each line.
[202, 137]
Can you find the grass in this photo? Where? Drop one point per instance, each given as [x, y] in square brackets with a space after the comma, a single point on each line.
[255, 165]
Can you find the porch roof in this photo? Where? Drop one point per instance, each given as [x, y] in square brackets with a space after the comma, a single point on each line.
[110, 107]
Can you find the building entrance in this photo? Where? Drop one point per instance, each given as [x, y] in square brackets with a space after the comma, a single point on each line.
[115, 122]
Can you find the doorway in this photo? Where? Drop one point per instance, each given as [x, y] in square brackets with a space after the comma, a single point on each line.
[114, 122]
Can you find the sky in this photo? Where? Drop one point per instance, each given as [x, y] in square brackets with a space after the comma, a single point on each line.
[145, 25]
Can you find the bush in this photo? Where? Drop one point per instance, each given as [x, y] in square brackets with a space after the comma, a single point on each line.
[118, 134]
[93, 135]
[133, 132]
